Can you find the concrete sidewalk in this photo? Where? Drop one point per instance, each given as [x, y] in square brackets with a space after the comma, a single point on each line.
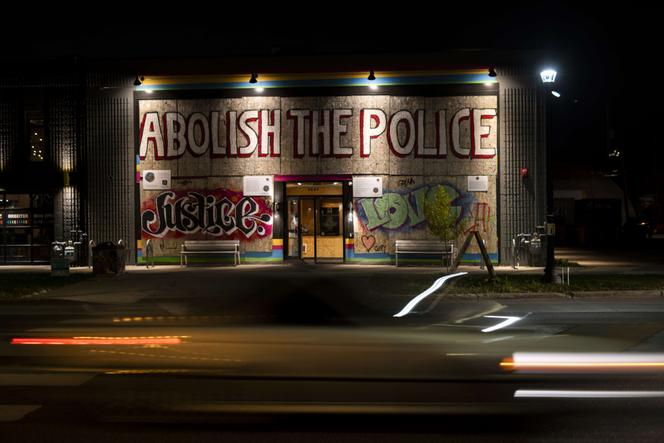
[140, 282]
[590, 261]
[614, 261]
[303, 267]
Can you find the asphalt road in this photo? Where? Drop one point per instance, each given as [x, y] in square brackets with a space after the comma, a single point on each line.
[314, 359]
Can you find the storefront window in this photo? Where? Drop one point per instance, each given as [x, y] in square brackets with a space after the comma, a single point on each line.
[26, 228]
[36, 138]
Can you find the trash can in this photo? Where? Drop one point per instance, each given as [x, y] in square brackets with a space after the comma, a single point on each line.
[108, 258]
[59, 263]
[537, 251]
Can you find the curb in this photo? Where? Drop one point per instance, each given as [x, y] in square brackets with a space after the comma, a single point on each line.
[648, 293]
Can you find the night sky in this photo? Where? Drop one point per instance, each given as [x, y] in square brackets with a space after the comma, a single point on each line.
[606, 55]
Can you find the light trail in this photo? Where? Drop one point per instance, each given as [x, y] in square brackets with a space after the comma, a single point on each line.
[503, 324]
[552, 362]
[527, 393]
[98, 341]
[436, 285]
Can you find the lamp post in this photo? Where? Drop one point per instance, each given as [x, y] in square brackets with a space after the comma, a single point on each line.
[548, 77]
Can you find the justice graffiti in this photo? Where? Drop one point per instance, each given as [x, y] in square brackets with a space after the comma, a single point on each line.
[215, 214]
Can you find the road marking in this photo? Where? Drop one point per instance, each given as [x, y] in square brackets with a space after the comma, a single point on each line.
[526, 393]
[497, 339]
[436, 285]
[10, 413]
[481, 314]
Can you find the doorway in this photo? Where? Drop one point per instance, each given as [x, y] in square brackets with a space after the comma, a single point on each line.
[315, 222]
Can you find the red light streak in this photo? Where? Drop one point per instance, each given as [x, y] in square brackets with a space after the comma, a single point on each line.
[98, 341]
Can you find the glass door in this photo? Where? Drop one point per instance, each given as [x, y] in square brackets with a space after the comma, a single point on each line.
[293, 227]
[329, 229]
[315, 225]
[307, 228]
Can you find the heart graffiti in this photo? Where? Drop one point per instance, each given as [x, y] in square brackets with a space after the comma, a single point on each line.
[368, 241]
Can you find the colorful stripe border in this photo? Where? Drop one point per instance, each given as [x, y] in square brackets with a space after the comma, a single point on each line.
[356, 79]
[277, 256]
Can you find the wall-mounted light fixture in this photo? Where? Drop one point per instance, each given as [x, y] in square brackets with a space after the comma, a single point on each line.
[492, 72]
[372, 79]
[139, 80]
[254, 81]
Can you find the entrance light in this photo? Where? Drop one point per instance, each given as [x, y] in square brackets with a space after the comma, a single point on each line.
[492, 71]
[139, 80]
[372, 76]
[548, 76]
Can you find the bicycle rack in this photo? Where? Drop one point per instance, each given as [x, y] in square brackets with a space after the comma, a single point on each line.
[149, 253]
[524, 244]
[91, 244]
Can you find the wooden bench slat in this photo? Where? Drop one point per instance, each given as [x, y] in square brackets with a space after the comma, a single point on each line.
[210, 247]
[423, 247]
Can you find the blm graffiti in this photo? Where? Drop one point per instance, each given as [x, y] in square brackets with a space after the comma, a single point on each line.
[218, 213]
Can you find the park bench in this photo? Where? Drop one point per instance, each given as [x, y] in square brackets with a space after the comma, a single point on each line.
[430, 247]
[196, 247]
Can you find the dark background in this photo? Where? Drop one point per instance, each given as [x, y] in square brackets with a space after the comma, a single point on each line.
[606, 55]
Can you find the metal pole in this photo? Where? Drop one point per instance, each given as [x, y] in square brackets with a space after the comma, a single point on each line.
[549, 269]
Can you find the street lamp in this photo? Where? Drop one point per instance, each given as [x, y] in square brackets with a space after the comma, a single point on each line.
[548, 77]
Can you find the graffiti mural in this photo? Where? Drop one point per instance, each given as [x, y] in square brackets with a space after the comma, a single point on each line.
[218, 213]
[481, 217]
[405, 211]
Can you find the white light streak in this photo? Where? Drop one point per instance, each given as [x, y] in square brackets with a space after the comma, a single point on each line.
[436, 285]
[526, 393]
[581, 358]
[503, 324]
[559, 362]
